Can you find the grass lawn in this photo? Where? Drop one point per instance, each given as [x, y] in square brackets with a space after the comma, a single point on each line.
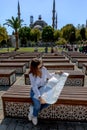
[25, 49]
[28, 49]
[31, 49]
[6, 49]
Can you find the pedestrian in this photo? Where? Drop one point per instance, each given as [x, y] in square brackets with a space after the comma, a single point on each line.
[52, 49]
[46, 49]
[56, 50]
[38, 75]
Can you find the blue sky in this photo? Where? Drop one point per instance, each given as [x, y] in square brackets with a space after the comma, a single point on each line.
[69, 11]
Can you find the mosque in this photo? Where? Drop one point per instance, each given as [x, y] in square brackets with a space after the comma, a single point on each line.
[40, 24]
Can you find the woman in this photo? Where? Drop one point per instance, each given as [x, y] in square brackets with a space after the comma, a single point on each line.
[38, 75]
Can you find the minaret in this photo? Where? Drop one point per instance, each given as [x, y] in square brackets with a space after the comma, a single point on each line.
[56, 22]
[31, 21]
[86, 23]
[19, 11]
[53, 18]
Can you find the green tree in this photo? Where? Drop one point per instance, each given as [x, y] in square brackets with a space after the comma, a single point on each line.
[24, 35]
[68, 32]
[86, 33]
[35, 34]
[14, 23]
[83, 33]
[56, 35]
[48, 34]
[3, 34]
[61, 41]
[78, 35]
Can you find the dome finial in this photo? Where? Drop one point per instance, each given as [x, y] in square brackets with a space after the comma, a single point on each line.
[39, 17]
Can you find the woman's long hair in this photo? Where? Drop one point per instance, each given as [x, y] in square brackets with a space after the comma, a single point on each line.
[34, 66]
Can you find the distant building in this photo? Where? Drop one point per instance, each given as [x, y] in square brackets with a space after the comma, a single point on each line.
[40, 24]
[31, 21]
[12, 39]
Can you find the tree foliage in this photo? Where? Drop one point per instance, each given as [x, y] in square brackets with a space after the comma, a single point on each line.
[14, 23]
[83, 33]
[35, 34]
[48, 34]
[78, 35]
[61, 41]
[24, 35]
[56, 35]
[3, 34]
[68, 32]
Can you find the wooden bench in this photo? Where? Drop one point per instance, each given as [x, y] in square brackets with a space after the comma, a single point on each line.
[4, 57]
[72, 53]
[71, 105]
[30, 54]
[26, 61]
[9, 54]
[59, 66]
[75, 78]
[79, 62]
[7, 77]
[53, 57]
[73, 58]
[84, 69]
[19, 67]
[24, 57]
[56, 60]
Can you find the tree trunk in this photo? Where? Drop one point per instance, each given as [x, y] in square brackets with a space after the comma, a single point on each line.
[16, 39]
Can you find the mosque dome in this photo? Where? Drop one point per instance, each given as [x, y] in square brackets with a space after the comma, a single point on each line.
[39, 23]
[37, 27]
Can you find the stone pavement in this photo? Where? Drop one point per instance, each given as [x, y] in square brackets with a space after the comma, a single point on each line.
[24, 124]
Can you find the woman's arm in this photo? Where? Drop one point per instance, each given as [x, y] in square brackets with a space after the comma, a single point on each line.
[34, 85]
[49, 75]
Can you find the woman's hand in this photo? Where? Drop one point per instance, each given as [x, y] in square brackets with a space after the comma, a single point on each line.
[59, 72]
[42, 101]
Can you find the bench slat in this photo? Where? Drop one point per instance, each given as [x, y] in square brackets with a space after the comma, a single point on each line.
[77, 95]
